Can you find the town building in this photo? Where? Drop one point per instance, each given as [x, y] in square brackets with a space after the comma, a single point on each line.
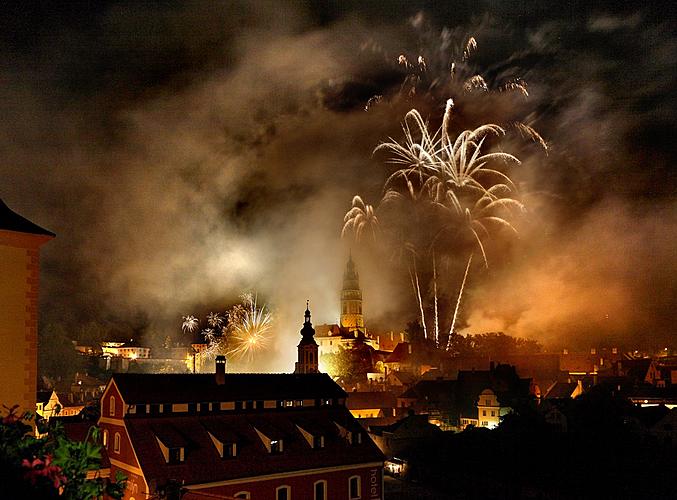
[20, 242]
[404, 435]
[350, 329]
[255, 436]
[131, 349]
[259, 436]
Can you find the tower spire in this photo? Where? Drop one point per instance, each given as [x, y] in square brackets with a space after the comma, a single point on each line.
[351, 298]
[307, 348]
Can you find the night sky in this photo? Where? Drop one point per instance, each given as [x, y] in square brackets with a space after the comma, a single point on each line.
[184, 152]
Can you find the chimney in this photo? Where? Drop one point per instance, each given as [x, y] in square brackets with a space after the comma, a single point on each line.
[220, 370]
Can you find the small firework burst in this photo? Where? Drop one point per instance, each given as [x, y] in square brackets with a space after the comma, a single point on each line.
[190, 324]
[214, 320]
[249, 327]
[360, 217]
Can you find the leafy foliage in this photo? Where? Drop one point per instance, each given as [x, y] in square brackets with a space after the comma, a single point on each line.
[52, 466]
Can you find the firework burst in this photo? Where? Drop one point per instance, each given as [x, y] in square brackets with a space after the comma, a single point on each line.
[249, 327]
[359, 218]
[190, 324]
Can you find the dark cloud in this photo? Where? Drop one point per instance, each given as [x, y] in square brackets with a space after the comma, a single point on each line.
[186, 152]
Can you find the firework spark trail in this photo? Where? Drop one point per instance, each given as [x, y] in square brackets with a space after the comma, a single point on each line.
[458, 303]
[437, 323]
[417, 293]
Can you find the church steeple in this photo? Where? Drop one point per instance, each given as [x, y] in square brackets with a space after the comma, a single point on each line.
[307, 348]
[351, 298]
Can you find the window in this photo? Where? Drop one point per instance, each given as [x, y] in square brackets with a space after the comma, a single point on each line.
[318, 442]
[105, 439]
[354, 488]
[243, 494]
[493, 413]
[111, 406]
[484, 413]
[289, 403]
[275, 446]
[320, 490]
[229, 450]
[175, 456]
[283, 493]
[116, 443]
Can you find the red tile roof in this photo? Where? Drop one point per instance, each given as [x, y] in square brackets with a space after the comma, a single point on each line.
[203, 464]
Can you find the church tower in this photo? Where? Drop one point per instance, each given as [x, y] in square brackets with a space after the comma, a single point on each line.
[351, 299]
[308, 357]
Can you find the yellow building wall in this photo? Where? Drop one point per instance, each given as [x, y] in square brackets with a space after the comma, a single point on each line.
[19, 276]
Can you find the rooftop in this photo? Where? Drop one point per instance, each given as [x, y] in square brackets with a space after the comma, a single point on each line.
[197, 388]
[11, 221]
[203, 464]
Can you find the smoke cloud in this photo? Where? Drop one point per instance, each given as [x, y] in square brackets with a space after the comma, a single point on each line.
[184, 154]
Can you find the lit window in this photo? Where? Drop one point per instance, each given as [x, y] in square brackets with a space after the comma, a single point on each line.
[283, 493]
[354, 487]
[111, 406]
[275, 446]
[116, 443]
[289, 403]
[320, 490]
[105, 439]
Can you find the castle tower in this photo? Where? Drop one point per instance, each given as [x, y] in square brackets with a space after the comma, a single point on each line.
[351, 299]
[307, 348]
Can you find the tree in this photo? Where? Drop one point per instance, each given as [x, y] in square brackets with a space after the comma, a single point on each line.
[57, 357]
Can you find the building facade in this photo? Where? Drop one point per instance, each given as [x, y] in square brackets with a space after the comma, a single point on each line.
[20, 242]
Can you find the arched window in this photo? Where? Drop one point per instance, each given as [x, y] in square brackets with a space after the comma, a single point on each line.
[105, 439]
[320, 490]
[354, 488]
[116, 443]
[243, 494]
[111, 406]
[283, 493]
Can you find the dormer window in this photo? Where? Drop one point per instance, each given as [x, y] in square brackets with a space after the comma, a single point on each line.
[175, 455]
[273, 441]
[172, 453]
[225, 449]
[314, 439]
